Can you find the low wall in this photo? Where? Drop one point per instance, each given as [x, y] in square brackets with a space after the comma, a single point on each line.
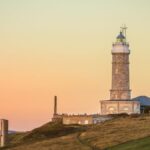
[78, 119]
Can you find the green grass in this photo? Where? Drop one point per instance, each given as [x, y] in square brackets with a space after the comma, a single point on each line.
[140, 144]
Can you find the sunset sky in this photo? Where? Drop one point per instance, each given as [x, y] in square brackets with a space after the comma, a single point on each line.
[63, 48]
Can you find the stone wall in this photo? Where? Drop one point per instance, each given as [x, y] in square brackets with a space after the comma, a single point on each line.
[78, 119]
[116, 107]
[57, 118]
[84, 119]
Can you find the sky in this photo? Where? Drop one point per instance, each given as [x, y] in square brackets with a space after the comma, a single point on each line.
[63, 48]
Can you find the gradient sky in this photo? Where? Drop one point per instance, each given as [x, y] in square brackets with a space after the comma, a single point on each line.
[63, 48]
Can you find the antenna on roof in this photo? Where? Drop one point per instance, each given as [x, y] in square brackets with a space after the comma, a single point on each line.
[123, 29]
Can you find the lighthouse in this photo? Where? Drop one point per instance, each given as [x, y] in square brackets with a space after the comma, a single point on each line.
[120, 94]
[120, 88]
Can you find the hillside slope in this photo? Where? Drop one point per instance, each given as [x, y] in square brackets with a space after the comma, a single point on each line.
[95, 137]
[140, 144]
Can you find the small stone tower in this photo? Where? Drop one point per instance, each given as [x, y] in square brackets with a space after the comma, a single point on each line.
[4, 132]
[120, 89]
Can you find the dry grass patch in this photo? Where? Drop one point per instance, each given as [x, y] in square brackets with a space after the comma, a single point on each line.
[117, 131]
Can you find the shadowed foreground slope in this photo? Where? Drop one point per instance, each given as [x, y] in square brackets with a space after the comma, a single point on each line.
[95, 137]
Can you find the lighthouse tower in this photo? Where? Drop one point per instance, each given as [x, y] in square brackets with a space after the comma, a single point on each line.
[120, 93]
[120, 89]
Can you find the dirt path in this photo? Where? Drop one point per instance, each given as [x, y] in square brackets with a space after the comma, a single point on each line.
[85, 143]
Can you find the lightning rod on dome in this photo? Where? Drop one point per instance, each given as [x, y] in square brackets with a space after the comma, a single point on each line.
[123, 30]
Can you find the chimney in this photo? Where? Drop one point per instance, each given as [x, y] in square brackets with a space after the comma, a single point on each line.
[55, 105]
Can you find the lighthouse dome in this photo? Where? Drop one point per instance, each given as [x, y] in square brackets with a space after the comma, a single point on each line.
[121, 36]
[120, 46]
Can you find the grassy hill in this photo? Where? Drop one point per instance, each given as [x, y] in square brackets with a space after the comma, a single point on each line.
[120, 133]
[140, 144]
